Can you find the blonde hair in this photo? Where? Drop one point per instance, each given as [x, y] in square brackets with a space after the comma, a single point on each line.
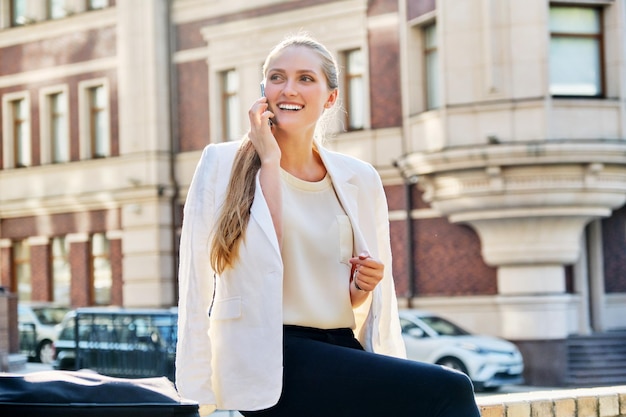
[235, 212]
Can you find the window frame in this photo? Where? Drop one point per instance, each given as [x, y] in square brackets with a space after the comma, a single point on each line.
[12, 19]
[63, 258]
[226, 97]
[46, 124]
[50, 8]
[430, 51]
[16, 262]
[9, 130]
[87, 137]
[348, 77]
[60, 146]
[93, 258]
[573, 35]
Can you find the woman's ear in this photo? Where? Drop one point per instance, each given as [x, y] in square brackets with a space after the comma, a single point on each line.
[332, 98]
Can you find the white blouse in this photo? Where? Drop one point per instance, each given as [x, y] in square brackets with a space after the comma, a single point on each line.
[316, 251]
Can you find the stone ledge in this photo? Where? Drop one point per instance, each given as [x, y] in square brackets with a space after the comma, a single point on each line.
[581, 402]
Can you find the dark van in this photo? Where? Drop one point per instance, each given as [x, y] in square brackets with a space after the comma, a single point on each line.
[119, 342]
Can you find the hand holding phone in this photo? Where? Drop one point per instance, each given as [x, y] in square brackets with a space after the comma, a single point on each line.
[270, 121]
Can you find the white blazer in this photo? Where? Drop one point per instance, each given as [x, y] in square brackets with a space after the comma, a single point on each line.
[230, 327]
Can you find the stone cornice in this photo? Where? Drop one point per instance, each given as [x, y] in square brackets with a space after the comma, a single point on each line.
[529, 153]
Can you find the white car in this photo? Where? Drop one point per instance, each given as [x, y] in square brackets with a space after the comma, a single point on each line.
[490, 362]
[39, 327]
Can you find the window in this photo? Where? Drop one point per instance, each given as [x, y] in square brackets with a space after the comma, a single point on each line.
[54, 124]
[56, 9]
[431, 66]
[61, 271]
[21, 268]
[355, 94]
[21, 133]
[59, 137]
[97, 4]
[575, 51]
[101, 267]
[18, 12]
[16, 131]
[99, 122]
[230, 105]
[94, 123]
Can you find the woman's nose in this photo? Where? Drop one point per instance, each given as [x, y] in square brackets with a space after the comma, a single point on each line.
[289, 89]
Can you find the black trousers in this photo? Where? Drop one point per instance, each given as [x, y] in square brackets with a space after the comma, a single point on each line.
[328, 374]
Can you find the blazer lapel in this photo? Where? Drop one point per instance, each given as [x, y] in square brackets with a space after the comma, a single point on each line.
[261, 214]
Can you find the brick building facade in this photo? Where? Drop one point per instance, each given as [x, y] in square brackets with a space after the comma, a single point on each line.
[505, 197]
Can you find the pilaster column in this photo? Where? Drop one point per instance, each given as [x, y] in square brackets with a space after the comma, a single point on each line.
[40, 268]
[5, 263]
[81, 287]
[144, 122]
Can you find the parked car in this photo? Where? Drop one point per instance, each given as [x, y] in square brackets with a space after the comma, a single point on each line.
[490, 362]
[39, 327]
[119, 342]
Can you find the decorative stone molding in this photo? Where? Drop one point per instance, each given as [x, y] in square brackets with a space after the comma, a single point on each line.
[529, 204]
[541, 193]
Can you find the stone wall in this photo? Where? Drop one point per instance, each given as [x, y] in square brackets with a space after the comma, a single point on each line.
[583, 402]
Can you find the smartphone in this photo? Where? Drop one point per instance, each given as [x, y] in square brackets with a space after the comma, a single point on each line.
[270, 121]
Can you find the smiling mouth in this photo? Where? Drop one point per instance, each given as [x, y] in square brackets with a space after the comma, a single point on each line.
[290, 107]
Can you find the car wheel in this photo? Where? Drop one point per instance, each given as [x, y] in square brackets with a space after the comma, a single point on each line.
[453, 363]
[46, 353]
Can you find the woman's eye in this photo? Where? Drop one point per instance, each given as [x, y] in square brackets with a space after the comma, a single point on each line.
[307, 78]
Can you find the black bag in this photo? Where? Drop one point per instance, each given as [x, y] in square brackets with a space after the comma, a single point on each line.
[88, 394]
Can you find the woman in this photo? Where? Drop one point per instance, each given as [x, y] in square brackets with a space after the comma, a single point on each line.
[287, 304]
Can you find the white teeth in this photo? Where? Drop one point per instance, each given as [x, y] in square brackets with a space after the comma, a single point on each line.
[289, 107]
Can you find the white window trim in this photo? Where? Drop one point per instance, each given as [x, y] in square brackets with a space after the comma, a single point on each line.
[224, 124]
[84, 119]
[8, 154]
[5, 14]
[45, 139]
[245, 93]
[416, 68]
[35, 11]
[602, 57]
[341, 56]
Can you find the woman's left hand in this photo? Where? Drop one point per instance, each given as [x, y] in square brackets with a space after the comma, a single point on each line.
[368, 272]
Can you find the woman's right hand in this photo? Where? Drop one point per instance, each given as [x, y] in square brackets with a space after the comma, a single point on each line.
[261, 131]
[269, 152]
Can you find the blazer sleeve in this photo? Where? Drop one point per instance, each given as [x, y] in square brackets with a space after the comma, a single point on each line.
[196, 284]
[389, 331]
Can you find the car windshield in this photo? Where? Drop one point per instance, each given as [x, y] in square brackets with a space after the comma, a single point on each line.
[50, 315]
[443, 327]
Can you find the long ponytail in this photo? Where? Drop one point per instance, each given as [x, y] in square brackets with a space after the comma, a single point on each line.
[235, 213]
